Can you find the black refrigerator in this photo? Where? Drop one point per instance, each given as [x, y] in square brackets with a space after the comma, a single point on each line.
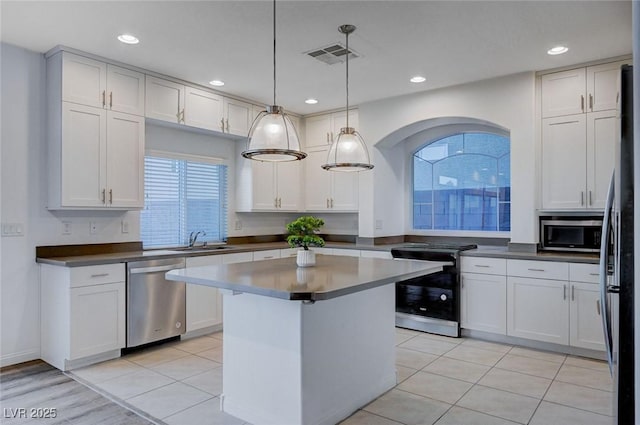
[616, 264]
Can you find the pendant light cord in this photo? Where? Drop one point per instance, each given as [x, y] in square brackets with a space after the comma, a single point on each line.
[274, 53]
[347, 84]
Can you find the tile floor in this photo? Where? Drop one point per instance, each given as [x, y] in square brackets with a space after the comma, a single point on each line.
[441, 381]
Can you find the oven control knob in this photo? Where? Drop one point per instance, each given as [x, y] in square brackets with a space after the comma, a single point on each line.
[443, 297]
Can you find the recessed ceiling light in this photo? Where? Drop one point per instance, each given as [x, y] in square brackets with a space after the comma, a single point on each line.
[216, 83]
[128, 39]
[418, 79]
[311, 101]
[557, 50]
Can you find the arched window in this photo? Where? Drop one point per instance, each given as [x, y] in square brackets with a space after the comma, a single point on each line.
[463, 182]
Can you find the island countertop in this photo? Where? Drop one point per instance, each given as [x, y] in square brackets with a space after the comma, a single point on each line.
[331, 277]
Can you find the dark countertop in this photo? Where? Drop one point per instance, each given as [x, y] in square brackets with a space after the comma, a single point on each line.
[122, 257]
[331, 277]
[502, 252]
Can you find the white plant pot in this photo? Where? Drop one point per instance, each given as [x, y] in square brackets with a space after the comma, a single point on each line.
[306, 258]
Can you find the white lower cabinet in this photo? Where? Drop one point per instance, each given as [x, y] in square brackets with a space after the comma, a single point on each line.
[97, 319]
[82, 314]
[483, 302]
[204, 303]
[538, 309]
[547, 301]
[585, 313]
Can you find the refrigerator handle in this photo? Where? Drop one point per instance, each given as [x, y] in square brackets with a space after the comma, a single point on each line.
[605, 241]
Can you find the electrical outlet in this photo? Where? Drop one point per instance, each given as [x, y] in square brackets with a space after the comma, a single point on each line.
[124, 226]
[238, 225]
[378, 224]
[93, 227]
[66, 227]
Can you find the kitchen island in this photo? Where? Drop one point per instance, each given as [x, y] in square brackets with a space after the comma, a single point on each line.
[306, 345]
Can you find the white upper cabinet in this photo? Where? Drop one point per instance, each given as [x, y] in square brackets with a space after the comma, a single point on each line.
[164, 100]
[102, 160]
[580, 129]
[94, 83]
[576, 91]
[564, 160]
[563, 93]
[238, 117]
[322, 130]
[603, 86]
[268, 186]
[182, 104]
[202, 109]
[96, 152]
[328, 190]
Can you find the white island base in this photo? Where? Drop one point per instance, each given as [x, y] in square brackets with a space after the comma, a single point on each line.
[289, 362]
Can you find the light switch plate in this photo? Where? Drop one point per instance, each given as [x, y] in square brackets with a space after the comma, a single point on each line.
[12, 229]
[124, 226]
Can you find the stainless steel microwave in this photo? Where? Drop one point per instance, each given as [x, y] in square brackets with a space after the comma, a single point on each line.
[577, 234]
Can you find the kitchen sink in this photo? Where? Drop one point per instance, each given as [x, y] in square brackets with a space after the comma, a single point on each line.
[200, 248]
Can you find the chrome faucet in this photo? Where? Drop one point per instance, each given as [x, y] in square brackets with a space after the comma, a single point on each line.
[193, 237]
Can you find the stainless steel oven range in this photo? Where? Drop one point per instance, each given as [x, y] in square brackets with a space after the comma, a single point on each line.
[430, 303]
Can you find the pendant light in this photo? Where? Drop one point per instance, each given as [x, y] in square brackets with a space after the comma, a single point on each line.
[272, 137]
[348, 152]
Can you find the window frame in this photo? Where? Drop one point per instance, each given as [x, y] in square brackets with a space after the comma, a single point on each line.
[212, 160]
[423, 138]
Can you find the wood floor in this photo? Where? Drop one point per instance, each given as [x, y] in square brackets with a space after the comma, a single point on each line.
[37, 393]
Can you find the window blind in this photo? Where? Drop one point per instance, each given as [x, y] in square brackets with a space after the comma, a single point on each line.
[181, 197]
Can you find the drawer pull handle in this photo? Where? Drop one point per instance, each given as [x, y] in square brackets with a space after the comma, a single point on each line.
[484, 266]
[100, 275]
[270, 256]
[598, 307]
[564, 292]
[594, 274]
[536, 270]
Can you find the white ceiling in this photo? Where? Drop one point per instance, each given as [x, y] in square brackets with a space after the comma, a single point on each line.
[449, 42]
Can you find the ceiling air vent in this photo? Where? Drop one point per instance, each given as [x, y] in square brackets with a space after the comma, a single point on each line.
[332, 54]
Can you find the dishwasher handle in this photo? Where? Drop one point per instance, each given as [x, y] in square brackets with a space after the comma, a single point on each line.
[155, 269]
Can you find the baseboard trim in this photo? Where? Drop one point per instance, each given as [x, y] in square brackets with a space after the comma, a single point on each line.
[20, 357]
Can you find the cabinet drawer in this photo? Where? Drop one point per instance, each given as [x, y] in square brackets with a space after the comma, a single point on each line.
[289, 252]
[538, 269]
[96, 275]
[266, 255]
[579, 272]
[484, 265]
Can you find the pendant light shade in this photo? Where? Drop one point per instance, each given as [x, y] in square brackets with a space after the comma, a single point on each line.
[272, 137]
[348, 152]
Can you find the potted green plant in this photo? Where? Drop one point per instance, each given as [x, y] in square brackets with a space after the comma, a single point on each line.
[303, 233]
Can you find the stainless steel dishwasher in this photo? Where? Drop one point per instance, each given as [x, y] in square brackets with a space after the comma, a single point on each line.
[156, 307]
